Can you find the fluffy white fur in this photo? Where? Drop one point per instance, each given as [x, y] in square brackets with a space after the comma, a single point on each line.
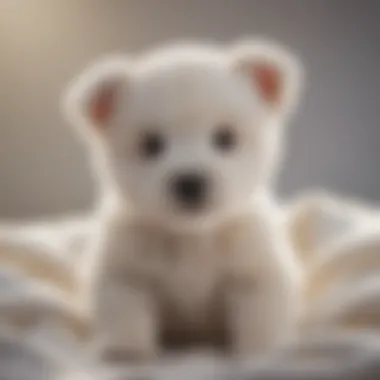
[337, 238]
[156, 268]
[339, 241]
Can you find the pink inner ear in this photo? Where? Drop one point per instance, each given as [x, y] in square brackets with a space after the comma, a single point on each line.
[269, 82]
[103, 104]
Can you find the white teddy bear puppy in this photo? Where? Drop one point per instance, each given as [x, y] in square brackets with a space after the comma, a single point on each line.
[185, 141]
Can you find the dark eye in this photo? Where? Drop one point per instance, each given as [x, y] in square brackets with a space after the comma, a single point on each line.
[224, 138]
[152, 145]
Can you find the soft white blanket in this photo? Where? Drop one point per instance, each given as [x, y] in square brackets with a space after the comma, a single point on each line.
[41, 336]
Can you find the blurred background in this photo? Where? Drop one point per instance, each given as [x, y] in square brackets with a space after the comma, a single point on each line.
[333, 141]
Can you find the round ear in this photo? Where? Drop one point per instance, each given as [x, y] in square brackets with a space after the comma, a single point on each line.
[91, 100]
[275, 73]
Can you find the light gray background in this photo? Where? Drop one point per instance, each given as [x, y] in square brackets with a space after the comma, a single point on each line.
[333, 141]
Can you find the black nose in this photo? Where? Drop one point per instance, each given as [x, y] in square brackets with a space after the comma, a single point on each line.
[189, 189]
